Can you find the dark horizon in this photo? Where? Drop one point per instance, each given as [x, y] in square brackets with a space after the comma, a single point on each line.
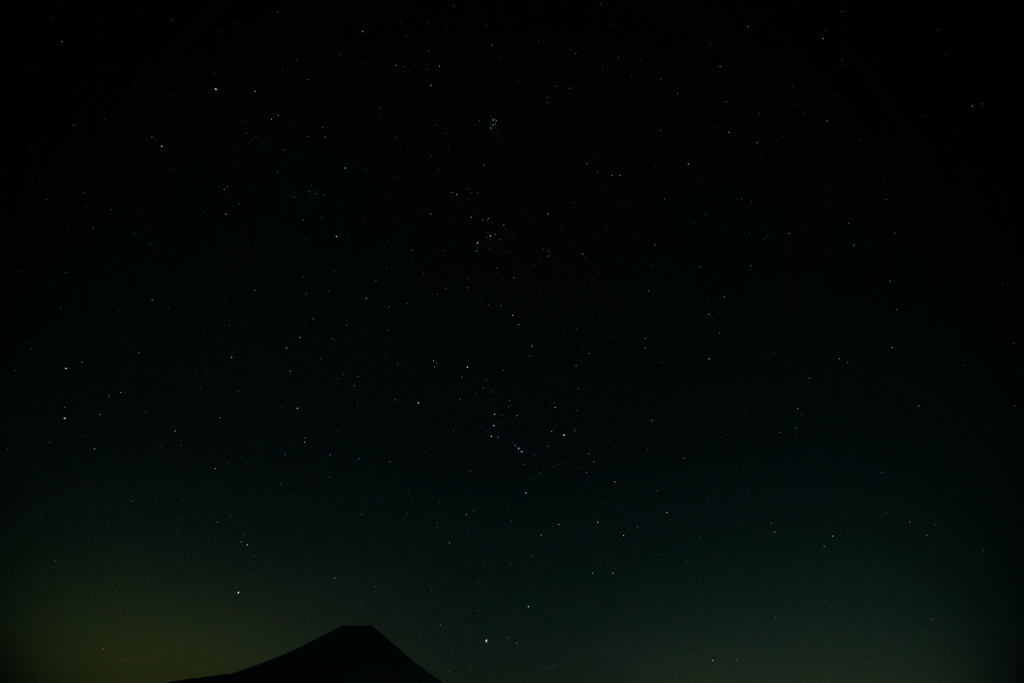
[559, 344]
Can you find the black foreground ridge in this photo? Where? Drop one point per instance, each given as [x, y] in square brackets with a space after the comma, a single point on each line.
[349, 654]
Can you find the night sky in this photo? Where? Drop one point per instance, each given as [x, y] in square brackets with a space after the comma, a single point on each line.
[558, 344]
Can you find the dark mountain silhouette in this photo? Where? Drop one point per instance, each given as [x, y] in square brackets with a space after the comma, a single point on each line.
[350, 654]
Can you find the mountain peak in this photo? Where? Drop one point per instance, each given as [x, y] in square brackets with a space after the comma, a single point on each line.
[348, 654]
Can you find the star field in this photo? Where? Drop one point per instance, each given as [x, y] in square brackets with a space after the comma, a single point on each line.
[557, 345]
